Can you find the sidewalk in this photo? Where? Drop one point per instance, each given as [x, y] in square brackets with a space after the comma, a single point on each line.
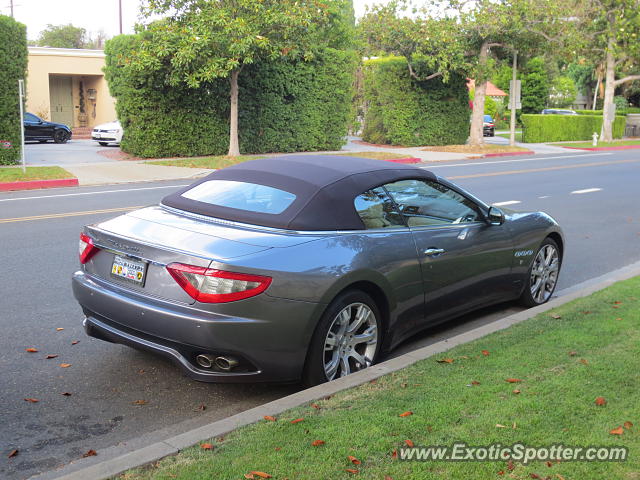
[122, 172]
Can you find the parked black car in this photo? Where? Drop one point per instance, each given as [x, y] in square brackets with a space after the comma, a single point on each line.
[489, 126]
[37, 129]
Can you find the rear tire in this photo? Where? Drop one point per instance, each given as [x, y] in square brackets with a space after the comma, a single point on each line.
[347, 339]
[60, 136]
[542, 276]
[43, 141]
[104, 144]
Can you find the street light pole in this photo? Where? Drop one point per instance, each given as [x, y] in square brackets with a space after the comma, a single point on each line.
[120, 14]
[512, 126]
[21, 96]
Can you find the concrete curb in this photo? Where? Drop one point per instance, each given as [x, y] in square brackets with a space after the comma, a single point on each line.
[603, 149]
[405, 160]
[145, 450]
[36, 184]
[508, 154]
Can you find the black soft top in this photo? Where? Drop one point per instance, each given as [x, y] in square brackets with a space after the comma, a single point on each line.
[325, 187]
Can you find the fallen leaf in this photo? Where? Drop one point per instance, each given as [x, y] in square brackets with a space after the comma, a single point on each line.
[351, 470]
[445, 360]
[511, 466]
[485, 353]
[409, 443]
[89, 453]
[516, 391]
[549, 464]
[555, 316]
[31, 400]
[297, 420]
[406, 414]
[560, 477]
[75, 342]
[65, 365]
[600, 401]
[269, 418]
[139, 402]
[59, 329]
[616, 306]
[48, 357]
[277, 449]
[513, 380]
[475, 382]
[66, 394]
[572, 353]
[586, 312]
[617, 302]
[316, 406]
[619, 318]
[249, 476]
[394, 454]
[501, 472]
[13, 453]
[317, 443]
[617, 431]
[404, 385]
[260, 474]
[387, 477]
[501, 426]
[534, 475]
[354, 460]
[628, 425]
[374, 381]
[206, 446]
[584, 361]
[31, 350]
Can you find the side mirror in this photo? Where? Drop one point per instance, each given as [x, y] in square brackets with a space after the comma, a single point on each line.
[495, 216]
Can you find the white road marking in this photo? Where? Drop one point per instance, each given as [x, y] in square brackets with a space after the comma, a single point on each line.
[587, 190]
[471, 163]
[91, 193]
[504, 204]
[544, 196]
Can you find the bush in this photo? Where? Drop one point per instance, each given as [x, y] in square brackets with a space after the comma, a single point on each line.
[625, 111]
[559, 128]
[283, 106]
[403, 111]
[13, 61]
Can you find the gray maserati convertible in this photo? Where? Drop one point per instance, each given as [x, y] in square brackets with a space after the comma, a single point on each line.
[305, 267]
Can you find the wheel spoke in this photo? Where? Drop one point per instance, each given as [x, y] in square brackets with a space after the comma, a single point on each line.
[331, 342]
[362, 315]
[368, 336]
[345, 368]
[331, 368]
[359, 359]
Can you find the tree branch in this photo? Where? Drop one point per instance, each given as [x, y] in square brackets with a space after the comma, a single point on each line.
[629, 78]
[421, 79]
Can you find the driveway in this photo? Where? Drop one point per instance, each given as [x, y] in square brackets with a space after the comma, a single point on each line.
[74, 151]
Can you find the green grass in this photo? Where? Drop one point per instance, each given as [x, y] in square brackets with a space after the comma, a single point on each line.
[615, 143]
[223, 161]
[507, 136]
[15, 174]
[564, 363]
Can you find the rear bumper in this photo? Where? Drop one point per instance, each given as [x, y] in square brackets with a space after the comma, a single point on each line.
[271, 348]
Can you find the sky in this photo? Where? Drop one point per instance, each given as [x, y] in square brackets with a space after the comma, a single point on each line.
[93, 15]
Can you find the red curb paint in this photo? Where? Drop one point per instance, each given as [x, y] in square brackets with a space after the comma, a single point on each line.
[405, 160]
[508, 154]
[35, 184]
[596, 149]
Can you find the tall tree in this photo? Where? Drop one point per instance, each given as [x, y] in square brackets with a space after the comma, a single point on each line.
[63, 36]
[611, 32]
[205, 40]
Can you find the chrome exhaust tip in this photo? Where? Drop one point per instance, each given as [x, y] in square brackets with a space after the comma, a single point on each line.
[226, 363]
[205, 360]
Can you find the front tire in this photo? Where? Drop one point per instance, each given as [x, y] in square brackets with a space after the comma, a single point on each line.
[104, 144]
[60, 136]
[347, 339]
[542, 277]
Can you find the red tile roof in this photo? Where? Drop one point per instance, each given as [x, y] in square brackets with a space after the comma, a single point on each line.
[492, 90]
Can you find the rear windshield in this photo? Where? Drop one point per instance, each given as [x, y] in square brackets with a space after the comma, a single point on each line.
[241, 195]
[487, 118]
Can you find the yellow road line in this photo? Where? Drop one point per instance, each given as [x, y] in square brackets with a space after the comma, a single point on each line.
[546, 169]
[69, 214]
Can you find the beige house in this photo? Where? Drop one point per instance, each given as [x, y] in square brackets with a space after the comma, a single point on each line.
[62, 82]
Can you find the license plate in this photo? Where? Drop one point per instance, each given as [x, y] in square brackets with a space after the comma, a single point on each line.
[96, 135]
[130, 270]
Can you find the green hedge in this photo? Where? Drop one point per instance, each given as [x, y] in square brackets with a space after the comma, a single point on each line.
[403, 111]
[283, 106]
[13, 66]
[558, 128]
[618, 112]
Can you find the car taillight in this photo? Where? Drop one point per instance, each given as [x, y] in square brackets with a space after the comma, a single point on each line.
[490, 124]
[208, 285]
[86, 248]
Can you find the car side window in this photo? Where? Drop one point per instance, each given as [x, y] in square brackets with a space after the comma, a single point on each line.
[426, 202]
[377, 210]
[29, 117]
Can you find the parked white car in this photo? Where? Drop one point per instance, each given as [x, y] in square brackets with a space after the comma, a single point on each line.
[107, 133]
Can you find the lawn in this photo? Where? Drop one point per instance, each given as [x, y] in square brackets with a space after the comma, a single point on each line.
[15, 174]
[224, 161]
[479, 149]
[507, 136]
[615, 143]
[559, 363]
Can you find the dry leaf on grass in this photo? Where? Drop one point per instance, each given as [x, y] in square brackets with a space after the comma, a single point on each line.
[351, 470]
[260, 474]
[297, 420]
[573, 353]
[485, 353]
[516, 391]
[600, 401]
[269, 418]
[89, 453]
[406, 414]
[316, 406]
[409, 443]
[628, 425]
[555, 316]
[584, 361]
[513, 380]
[617, 431]
[317, 443]
[475, 382]
[206, 446]
[445, 360]
[394, 454]
[354, 460]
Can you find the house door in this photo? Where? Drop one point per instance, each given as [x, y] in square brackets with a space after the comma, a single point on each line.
[61, 100]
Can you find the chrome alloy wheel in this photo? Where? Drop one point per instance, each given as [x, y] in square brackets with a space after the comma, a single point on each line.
[351, 341]
[544, 273]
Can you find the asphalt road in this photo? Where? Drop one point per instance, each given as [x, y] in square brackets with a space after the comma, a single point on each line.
[594, 196]
[74, 151]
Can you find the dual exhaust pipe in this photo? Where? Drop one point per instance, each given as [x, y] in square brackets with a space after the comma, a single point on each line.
[225, 364]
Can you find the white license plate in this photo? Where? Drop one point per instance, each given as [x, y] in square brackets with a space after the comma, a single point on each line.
[128, 269]
[97, 135]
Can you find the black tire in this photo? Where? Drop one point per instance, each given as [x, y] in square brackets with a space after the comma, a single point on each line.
[314, 369]
[528, 299]
[43, 141]
[60, 136]
[493, 133]
[104, 144]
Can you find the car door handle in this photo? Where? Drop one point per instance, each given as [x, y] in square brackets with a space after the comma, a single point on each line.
[432, 252]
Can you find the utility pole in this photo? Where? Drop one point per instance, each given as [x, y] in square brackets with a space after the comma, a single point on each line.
[119, 14]
[512, 125]
[11, 3]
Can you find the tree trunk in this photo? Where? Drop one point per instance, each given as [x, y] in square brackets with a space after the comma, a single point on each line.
[609, 92]
[234, 146]
[476, 135]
